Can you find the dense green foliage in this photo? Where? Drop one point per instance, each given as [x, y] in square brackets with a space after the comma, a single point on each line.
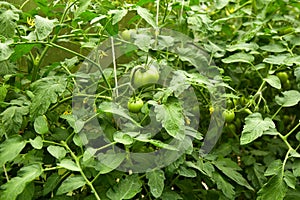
[48, 146]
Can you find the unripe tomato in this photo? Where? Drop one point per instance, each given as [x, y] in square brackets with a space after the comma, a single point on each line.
[151, 76]
[283, 76]
[238, 123]
[141, 76]
[243, 100]
[138, 78]
[286, 119]
[128, 34]
[135, 105]
[287, 85]
[228, 115]
[232, 128]
[229, 103]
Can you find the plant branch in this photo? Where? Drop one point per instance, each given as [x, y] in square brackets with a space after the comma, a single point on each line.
[81, 171]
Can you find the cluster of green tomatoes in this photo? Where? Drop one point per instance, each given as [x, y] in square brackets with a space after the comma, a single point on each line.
[141, 76]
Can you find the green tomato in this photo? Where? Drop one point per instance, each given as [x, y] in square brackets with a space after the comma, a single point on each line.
[135, 105]
[138, 78]
[228, 115]
[232, 128]
[287, 85]
[151, 76]
[128, 34]
[141, 76]
[243, 100]
[283, 76]
[286, 119]
[229, 103]
[238, 123]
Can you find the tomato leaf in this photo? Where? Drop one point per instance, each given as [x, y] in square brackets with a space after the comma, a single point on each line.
[239, 57]
[276, 60]
[296, 168]
[157, 143]
[109, 161]
[82, 7]
[276, 48]
[187, 172]
[10, 149]
[69, 164]
[5, 50]
[7, 67]
[28, 192]
[12, 118]
[127, 188]
[276, 183]
[156, 182]
[43, 28]
[204, 167]
[41, 125]
[221, 3]
[51, 183]
[46, 92]
[227, 188]
[118, 15]
[37, 143]
[229, 168]
[171, 117]
[274, 81]
[70, 184]
[17, 184]
[290, 179]
[255, 127]
[290, 61]
[143, 42]
[3, 92]
[179, 83]
[256, 175]
[146, 15]
[8, 20]
[165, 42]
[74, 122]
[290, 98]
[117, 110]
[193, 55]
[243, 46]
[170, 195]
[57, 152]
[274, 168]
[123, 138]
[21, 50]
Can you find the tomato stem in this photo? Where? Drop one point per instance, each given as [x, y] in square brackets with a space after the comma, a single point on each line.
[76, 159]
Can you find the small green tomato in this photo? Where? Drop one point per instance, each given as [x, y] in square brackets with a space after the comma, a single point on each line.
[283, 76]
[135, 105]
[128, 34]
[228, 115]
